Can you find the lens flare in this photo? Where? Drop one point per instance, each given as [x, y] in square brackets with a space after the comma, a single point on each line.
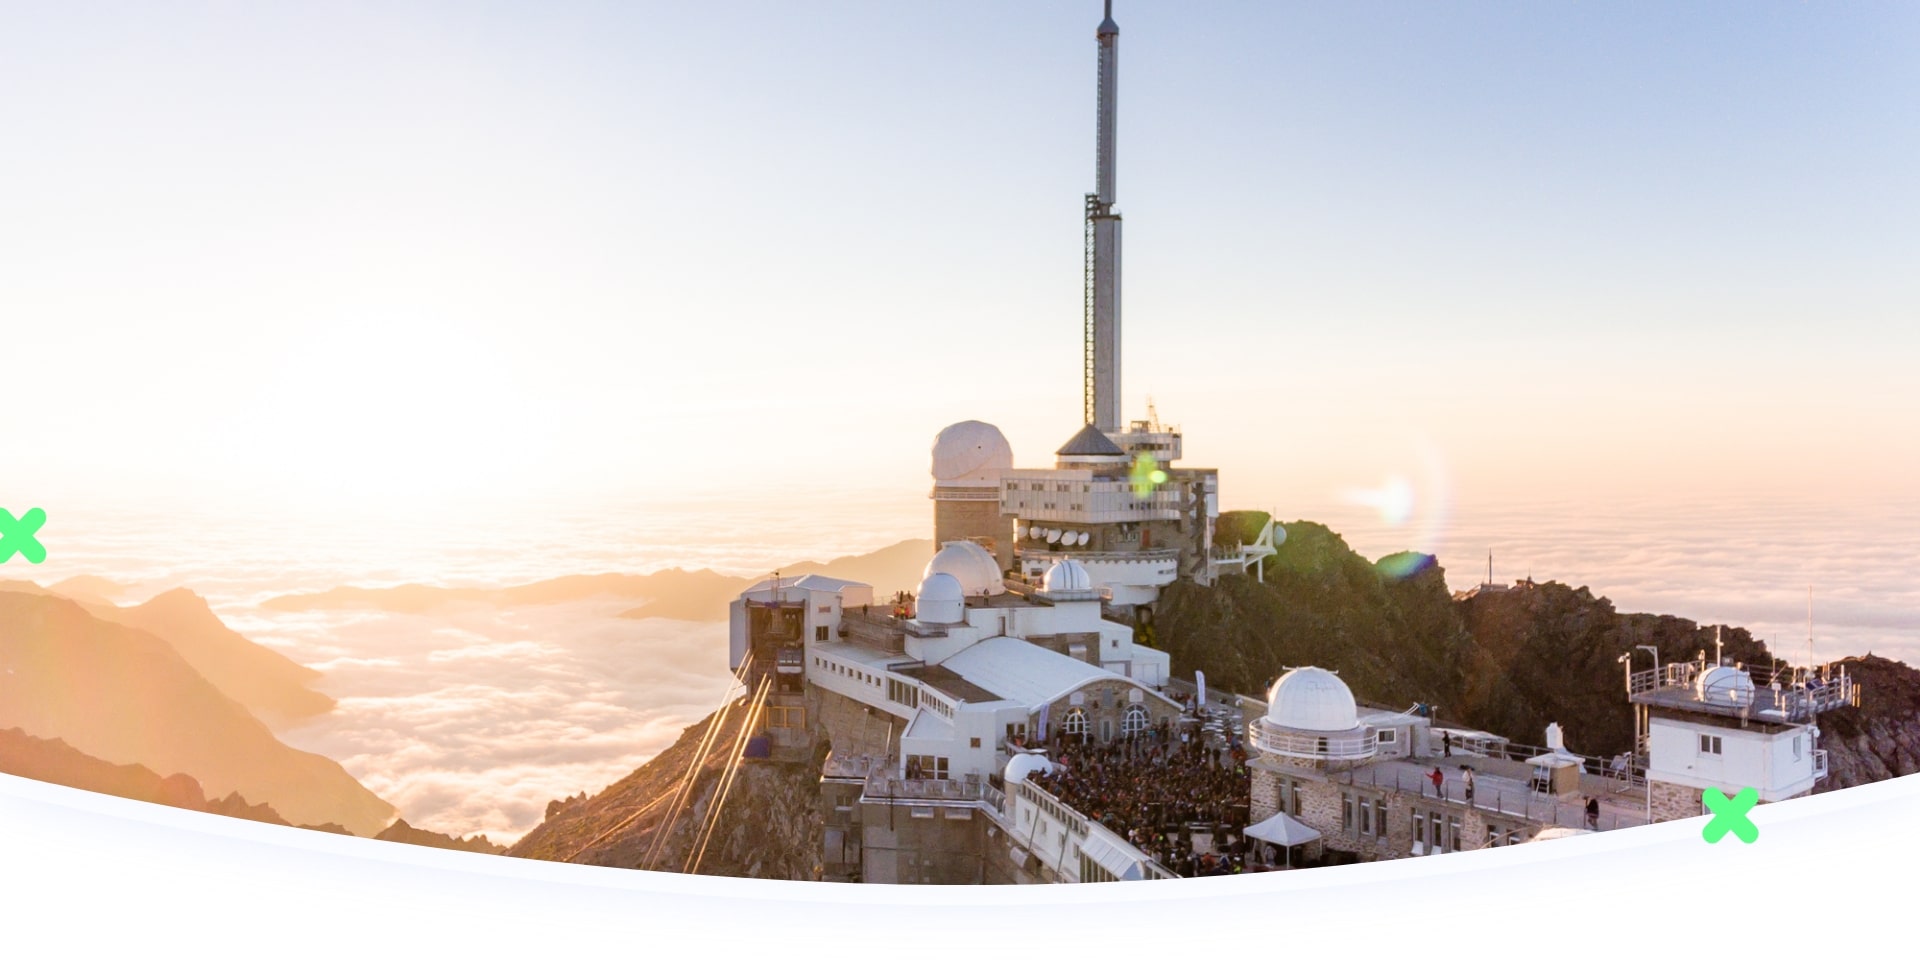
[1146, 474]
[1411, 504]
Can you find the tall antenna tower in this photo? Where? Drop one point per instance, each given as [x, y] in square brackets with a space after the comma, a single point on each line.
[1101, 358]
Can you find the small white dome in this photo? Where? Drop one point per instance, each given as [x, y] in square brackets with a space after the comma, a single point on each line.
[1023, 764]
[940, 600]
[971, 453]
[1067, 575]
[972, 565]
[1310, 699]
[1725, 685]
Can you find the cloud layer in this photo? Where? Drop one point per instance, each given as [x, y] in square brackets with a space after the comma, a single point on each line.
[470, 721]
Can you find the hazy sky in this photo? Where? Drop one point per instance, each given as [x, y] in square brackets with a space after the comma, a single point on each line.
[421, 254]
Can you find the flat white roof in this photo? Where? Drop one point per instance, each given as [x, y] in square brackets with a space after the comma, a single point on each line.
[1026, 673]
[831, 585]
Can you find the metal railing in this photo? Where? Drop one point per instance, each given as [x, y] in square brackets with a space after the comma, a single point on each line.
[930, 789]
[1795, 692]
[1538, 807]
[1279, 741]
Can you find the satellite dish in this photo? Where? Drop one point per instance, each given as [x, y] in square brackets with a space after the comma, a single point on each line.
[1053, 536]
[1279, 534]
[1033, 532]
[1084, 538]
[1069, 537]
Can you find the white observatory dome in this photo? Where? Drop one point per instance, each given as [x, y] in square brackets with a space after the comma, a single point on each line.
[1067, 575]
[972, 565]
[1022, 765]
[1310, 699]
[972, 453]
[1725, 685]
[940, 600]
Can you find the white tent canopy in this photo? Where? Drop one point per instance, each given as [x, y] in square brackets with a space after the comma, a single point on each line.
[1282, 829]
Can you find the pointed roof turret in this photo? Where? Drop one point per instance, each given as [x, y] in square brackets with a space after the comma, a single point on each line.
[1090, 442]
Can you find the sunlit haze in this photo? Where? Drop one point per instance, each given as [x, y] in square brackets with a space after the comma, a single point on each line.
[298, 295]
[359, 255]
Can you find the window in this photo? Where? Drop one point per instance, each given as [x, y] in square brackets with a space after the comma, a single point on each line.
[779, 717]
[1796, 746]
[1075, 723]
[973, 742]
[1380, 817]
[1453, 833]
[922, 812]
[1387, 736]
[902, 692]
[820, 633]
[1346, 811]
[1366, 819]
[1709, 744]
[926, 766]
[1135, 722]
[1419, 829]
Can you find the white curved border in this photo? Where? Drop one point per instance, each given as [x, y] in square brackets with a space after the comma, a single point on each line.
[94, 873]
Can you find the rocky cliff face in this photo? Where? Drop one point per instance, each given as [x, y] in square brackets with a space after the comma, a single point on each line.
[769, 826]
[1881, 738]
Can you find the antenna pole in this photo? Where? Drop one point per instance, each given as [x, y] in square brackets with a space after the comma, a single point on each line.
[1809, 628]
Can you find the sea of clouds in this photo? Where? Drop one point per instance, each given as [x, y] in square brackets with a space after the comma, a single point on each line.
[471, 719]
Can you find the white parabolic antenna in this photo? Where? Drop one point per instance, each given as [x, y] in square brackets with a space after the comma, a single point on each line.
[1033, 532]
[1053, 536]
[1084, 537]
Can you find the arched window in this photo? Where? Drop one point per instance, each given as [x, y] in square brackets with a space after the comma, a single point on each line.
[1075, 724]
[1135, 723]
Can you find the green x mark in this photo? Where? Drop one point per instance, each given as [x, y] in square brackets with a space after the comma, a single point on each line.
[1730, 816]
[17, 535]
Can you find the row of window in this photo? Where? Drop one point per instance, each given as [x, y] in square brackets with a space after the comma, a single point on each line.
[845, 671]
[1436, 831]
[900, 692]
[926, 766]
[1066, 818]
[1363, 816]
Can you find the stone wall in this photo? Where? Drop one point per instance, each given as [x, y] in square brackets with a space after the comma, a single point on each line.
[852, 728]
[1673, 802]
[1106, 702]
[1332, 808]
[976, 520]
[924, 844]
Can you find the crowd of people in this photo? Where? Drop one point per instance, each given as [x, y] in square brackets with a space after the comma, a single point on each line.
[1162, 793]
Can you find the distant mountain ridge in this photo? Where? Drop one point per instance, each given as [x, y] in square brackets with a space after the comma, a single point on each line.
[55, 761]
[675, 594]
[126, 695]
[271, 685]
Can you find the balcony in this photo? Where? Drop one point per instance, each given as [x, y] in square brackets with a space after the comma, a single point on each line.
[1294, 744]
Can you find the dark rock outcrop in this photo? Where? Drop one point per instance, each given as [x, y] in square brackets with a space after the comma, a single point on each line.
[1509, 661]
[401, 832]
